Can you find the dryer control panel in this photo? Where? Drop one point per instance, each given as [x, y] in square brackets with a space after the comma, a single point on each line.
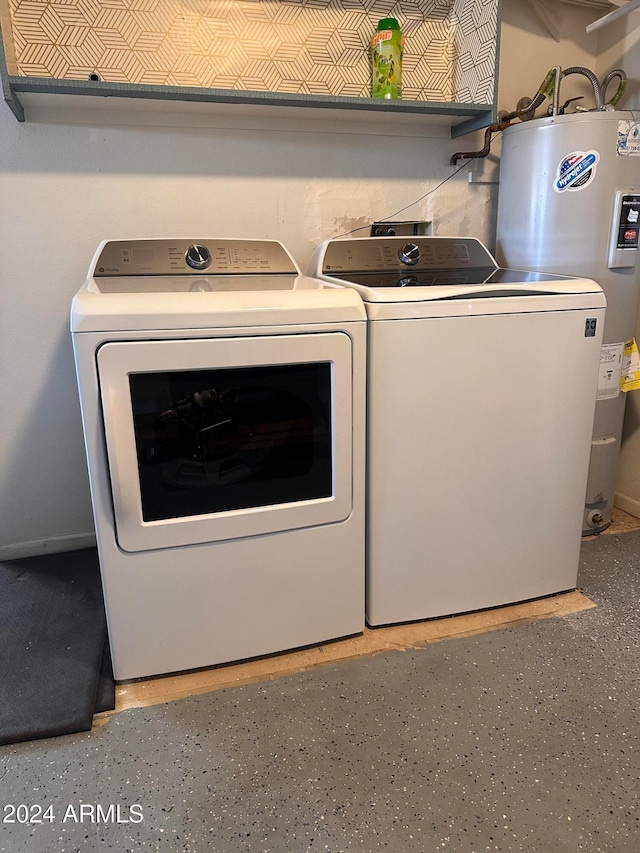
[215, 256]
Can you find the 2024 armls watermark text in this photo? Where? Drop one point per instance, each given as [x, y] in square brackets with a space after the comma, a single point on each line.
[73, 813]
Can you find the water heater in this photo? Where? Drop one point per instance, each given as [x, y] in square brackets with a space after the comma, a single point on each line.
[569, 203]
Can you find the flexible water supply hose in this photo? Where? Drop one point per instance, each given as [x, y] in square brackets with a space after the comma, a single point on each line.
[556, 90]
[544, 91]
[550, 87]
[622, 85]
[591, 77]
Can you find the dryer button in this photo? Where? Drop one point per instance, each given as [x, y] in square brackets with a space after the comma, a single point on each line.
[198, 257]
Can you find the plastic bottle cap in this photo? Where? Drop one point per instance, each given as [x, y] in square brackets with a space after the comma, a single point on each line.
[388, 24]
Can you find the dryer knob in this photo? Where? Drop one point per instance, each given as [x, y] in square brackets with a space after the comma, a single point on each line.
[198, 257]
[409, 254]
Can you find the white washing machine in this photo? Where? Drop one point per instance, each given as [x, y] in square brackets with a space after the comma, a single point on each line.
[223, 403]
[481, 394]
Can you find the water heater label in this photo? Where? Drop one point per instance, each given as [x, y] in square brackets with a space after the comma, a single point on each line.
[629, 223]
[576, 171]
[630, 379]
[628, 141]
[610, 371]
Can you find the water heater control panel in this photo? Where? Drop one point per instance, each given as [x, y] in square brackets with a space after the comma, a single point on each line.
[625, 230]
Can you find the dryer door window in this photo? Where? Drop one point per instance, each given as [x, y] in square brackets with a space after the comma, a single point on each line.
[211, 441]
[228, 437]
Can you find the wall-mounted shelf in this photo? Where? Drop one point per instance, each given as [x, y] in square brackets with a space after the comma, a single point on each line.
[34, 98]
[300, 66]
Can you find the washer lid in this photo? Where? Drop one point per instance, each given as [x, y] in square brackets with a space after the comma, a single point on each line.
[448, 283]
[405, 277]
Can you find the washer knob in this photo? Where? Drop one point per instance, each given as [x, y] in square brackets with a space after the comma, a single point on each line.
[198, 257]
[409, 254]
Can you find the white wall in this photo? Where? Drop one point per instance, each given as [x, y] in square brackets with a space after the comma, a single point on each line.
[528, 51]
[619, 47]
[63, 188]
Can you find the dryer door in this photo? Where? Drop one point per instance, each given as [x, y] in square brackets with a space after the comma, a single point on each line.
[222, 438]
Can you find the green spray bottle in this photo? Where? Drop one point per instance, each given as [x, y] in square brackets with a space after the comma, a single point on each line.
[386, 56]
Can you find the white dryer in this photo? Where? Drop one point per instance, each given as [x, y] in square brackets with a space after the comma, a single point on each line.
[481, 394]
[223, 403]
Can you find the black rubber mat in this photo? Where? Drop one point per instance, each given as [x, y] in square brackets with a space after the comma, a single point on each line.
[55, 670]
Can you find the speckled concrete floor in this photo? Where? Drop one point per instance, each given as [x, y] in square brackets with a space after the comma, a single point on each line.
[524, 739]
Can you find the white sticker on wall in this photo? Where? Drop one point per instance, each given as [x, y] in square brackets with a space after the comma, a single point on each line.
[576, 171]
[610, 371]
[628, 141]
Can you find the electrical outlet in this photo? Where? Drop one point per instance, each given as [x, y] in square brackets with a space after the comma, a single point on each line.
[410, 228]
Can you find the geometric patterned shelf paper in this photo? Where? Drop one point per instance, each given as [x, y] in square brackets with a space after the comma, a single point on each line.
[316, 47]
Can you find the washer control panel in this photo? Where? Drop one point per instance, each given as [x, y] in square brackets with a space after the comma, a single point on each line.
[385, 254]
[190, 257]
